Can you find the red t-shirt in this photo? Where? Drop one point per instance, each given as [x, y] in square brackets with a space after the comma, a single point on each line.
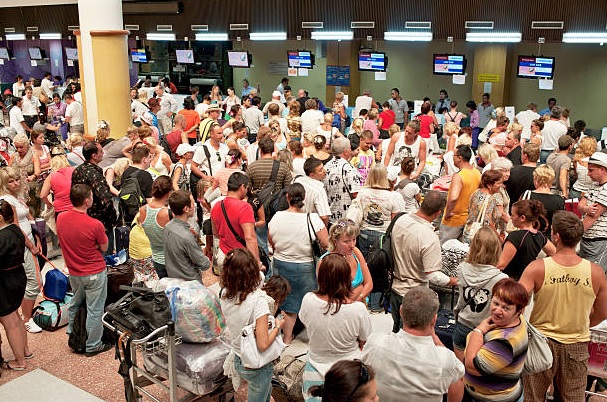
[79, 235]
[239, 212]
[174, 139]
[424, 125]
[387, 119]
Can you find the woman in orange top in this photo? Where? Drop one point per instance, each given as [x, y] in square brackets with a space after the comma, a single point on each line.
[192, 119]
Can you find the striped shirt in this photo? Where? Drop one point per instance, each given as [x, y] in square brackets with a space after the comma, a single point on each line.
[500, 362]
[597, 193]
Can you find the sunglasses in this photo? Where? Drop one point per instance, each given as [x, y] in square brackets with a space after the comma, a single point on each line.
[218, 155]
[363, 378]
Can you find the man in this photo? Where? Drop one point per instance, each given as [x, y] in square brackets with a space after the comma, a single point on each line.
[463, 184]
[407, 143]
[570, 297]
[552, 131]
[246, 89]
[364, 159]
[183, 257]
[30, 107]
[400, 108]
[316, 195]
[560, 162]
[213, 112]
[312, 117]
[342, 181]
[513, 143]
[498, 134]
[241, 219]
[525, 118]
[83, 240]
[275, 100]
[253, 118]
[485, 109]
[281, 89]
[92, 175]
[209, 157]
[17, 121]
[403, 370]
[287, 94]
[442, 105]
[74, 114]
[138, 170]
[521, 176]
[302, 97]
[168, 106]
[364, 101]
[594, 206]
[47, 85]
[417, 253]
[551, 104]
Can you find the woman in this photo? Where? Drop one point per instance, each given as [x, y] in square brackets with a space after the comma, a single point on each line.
[243, 302]
[536, 132]
[55, 112]
[181, 170]
[486, 154]
[543, 177]
[14, 190]
[320, 151]
[298, 159]
[285, 157]
[216, 96]
[371, 125]
[29, 167]
[523, 246]
[380, 154]
[153, 217]
[294, 120]
[486, 204]
[41, 152]
[342, 240]
[12, 287]
[18, 87]
[233, 164]
[140, 255]
[234, 117]
[113, 174]
[280, 140]
[160, 161]
[337, 325]
[291, 234]
[476, 277]
[387, 117]
[407, 188]
[133, 134]
[474, 119]
[586, 147]
[427, 126]
[231, 100]
[497, 347]
[327, 130]
[59, 182]
[340, 108]
[348, 381]
[502, 165]
[192, 119]
[453, 115]
[451, 131]
[308, 144]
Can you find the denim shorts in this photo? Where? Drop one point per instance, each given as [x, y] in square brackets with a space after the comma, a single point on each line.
[460, 333]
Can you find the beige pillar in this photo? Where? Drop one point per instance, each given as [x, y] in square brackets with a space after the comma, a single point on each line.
[490, 62]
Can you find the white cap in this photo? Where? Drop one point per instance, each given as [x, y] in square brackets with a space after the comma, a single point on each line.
[183, 149]
[598, 158]
[147, 117]
[276, 94]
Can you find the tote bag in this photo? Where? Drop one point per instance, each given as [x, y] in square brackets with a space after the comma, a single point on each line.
[250, 355]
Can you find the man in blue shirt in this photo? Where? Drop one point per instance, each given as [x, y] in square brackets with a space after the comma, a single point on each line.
[551, 104]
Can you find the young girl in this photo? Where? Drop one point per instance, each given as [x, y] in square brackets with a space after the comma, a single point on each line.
[181, 171]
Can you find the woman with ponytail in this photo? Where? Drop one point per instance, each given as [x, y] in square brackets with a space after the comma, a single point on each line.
[291, 233]
[523, 246]
[407, 188]
[233, 164]
[347, 381]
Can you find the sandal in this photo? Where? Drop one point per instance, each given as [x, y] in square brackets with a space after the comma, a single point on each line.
[7, 366]
[30, 356]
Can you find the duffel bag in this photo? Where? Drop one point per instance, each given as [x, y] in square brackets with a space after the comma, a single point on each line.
[51, 315]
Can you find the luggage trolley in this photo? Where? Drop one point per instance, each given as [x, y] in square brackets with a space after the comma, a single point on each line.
[597, 363]
[162, 341]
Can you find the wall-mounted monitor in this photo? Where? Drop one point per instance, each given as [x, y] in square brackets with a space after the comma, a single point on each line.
[300, 58]
[372, 61]
[449, 64]
[139, 56]
[35, 53]
[71, 53]
[239, 59]
[535, 67]
[4, 53]
[184, 56]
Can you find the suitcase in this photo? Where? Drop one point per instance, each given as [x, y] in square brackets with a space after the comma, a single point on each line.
[445, 324]
[199, 365]
[121, 238]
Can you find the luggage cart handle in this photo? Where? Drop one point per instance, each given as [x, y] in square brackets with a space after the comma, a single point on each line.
[170, 327]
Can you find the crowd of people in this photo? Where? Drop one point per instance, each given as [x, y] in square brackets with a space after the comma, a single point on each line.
[303, 192]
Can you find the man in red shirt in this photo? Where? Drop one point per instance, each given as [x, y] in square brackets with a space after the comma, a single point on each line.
[83, 240]
[241, 219]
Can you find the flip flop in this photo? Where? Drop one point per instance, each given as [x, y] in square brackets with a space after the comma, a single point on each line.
[7, 366]
[30, 356]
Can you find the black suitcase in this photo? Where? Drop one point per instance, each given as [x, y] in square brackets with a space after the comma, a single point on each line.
[445, 323]
[121, 238]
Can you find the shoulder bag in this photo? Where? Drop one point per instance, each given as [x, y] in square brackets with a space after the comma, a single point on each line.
[539, 355]
[317, 250]
[250, 355]
[480, 220]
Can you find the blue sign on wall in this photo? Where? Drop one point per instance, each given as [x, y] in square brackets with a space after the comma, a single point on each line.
[338, 76]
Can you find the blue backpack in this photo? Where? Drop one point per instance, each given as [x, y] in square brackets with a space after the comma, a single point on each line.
[55, 285]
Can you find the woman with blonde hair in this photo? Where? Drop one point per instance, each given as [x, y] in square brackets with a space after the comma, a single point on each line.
[133, 134]
[543, 177]
[103, 133]
[451, 131]
[160, 163]
[113, 174]
[74, 146]
[340, 108]
[25, 160]
[486, 154]
[327, 130]
[294, 120]
[586, 147]
[59, 182]
[279, 138]
[308, 144]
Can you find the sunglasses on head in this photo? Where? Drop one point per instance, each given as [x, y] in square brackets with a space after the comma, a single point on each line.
[363, 378]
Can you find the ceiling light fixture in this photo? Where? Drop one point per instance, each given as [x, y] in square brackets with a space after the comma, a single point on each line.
[332, 35]
[160, 36]
[212, 37]
[495, 37]
[408, 36]
[268, 36]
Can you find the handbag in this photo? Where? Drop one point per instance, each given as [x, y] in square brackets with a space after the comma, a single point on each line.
[539, 355]
[250, 355]
[287, 381]
[317, 250]
[480, 221]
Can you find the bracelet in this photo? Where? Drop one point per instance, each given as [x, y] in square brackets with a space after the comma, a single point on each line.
[479, 331]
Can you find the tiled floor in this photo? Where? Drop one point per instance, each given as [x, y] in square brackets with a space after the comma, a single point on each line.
[95, 375]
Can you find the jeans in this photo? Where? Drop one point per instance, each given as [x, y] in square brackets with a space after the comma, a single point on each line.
[92, 290]
[395, 301]
[364, 242]
[259, 380]
[544, 154]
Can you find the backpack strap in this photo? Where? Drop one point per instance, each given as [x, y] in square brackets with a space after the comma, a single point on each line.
[389, 230]
[275, 167]
[403, 183]
[208, 155]
[343, 179]
[236, 235]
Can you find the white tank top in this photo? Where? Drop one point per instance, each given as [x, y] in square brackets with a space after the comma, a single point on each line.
[402, 150]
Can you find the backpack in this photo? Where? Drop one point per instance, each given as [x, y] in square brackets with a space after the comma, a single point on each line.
[131, 197]
[380, 261]
[162, 141]
[267, 191]
[278, 202]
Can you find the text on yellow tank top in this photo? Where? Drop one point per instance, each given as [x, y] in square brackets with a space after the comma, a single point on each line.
[563, 303]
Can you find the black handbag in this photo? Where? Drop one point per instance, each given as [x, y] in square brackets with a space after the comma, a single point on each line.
[317, 250]
[140, 311]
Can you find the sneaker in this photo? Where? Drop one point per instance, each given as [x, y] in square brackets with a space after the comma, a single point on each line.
[32, 327]
[104, 348]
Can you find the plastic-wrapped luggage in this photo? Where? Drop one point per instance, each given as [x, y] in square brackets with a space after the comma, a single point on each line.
[199, 365]
[195, 309]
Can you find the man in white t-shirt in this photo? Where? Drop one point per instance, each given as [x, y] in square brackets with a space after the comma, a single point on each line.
[74, 114]
[30, 107]
[365, 101]
[312, 117]
[526, 118]
[47, 85]
[552, 131]
[402, 368]
[316, 195]
[16, 117]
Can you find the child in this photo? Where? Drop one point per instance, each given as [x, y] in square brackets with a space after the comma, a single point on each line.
[277, 288]
[366, 157]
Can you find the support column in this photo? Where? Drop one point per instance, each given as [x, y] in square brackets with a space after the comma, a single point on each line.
[103, 57]
[490, 66]
[344, 53]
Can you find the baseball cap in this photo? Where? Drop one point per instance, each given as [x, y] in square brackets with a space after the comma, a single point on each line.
[183, 149]
[599, 158]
